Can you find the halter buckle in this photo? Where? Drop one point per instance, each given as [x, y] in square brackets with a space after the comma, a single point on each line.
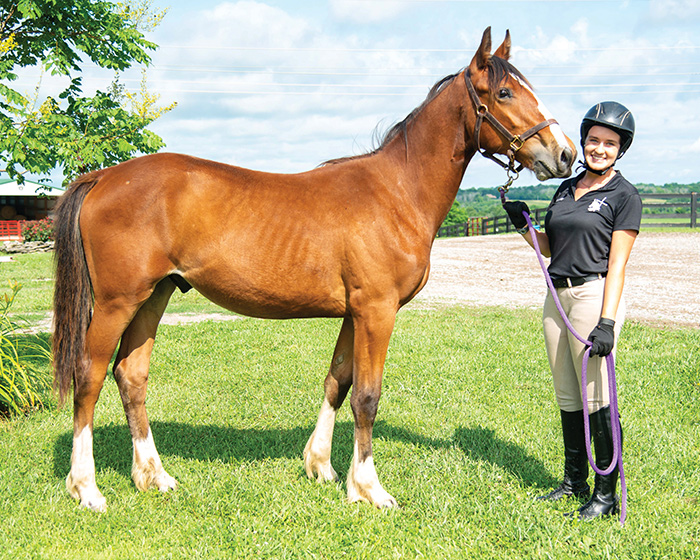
[516, 143]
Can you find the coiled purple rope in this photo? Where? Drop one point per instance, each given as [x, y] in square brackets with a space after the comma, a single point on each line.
[614, 410]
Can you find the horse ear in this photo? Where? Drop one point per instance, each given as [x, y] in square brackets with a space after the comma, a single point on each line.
[483, 54]
[504, 50]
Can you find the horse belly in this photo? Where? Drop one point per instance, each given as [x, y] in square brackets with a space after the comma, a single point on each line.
[264, 288]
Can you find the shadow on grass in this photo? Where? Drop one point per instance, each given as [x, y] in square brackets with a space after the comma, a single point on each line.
[113, 448]
[479, 444]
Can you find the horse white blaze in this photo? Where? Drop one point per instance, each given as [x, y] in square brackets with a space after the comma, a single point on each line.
[80, 481]
[317, 453]
[147, 469]
[363, 483]
[555, 129]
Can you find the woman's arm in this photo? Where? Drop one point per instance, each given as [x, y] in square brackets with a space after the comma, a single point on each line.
[516, 210]
[542, 241]
[620, 249]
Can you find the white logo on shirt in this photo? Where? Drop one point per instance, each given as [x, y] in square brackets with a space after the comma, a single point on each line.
[597, 204]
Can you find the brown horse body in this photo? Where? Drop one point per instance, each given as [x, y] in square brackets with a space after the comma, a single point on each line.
[350, 239]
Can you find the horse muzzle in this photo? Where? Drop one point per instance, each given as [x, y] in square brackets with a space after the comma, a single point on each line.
[551, 164]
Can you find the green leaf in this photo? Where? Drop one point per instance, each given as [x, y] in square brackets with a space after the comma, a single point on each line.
[75, 132]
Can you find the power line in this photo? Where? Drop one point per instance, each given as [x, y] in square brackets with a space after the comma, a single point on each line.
[282, 88]
[421, 50]
[418, 74]
[489, 1]
[583, 91]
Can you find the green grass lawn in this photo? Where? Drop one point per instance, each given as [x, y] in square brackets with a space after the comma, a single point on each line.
[467, 434]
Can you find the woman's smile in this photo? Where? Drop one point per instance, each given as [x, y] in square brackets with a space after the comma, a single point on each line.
[601, 148]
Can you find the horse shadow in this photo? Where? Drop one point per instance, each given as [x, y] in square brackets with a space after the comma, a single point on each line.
[480, 444]
[210, 442]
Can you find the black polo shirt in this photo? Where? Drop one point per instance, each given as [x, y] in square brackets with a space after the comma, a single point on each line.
[580, 231]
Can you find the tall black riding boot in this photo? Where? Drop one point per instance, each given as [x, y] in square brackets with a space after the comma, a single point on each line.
[575, 459]
[603, 501]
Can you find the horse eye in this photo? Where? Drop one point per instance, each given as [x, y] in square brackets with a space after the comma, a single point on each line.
[505, 93]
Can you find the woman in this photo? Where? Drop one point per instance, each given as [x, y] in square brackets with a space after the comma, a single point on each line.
[590, 227]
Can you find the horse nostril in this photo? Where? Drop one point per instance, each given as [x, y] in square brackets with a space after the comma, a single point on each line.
[567, 157]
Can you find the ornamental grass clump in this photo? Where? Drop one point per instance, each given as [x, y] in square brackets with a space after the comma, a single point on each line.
[24, 377]
[39, 230]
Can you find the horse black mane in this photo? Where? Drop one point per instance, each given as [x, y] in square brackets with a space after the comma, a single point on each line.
[498, 69]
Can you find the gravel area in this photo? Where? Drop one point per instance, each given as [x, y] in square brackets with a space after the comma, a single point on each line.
[662, 284]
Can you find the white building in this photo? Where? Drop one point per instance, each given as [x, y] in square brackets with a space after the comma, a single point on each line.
[29, 201]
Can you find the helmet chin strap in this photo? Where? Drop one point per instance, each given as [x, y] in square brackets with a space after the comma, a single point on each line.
[585, 165]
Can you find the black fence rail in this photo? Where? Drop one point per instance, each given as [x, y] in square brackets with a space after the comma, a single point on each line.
[671, 210]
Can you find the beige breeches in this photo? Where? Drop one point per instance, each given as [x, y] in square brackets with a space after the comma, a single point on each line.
[582, 305]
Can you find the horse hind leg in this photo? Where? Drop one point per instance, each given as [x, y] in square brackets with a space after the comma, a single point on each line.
[131, 373]
[317, 453]
[106, 326]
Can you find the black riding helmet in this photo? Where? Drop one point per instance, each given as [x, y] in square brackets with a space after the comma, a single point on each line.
[614, 116]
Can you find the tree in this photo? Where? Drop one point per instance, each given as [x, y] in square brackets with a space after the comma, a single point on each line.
[457, 215]
[75, 132]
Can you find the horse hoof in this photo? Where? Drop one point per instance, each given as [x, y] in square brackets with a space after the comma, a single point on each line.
[388, 503]
[96, 503]
[322, 473]
[89, 495]
[165, 482]
[318, 468]
[381, 499]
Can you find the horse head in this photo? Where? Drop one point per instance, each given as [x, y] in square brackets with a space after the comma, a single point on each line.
[516, 123]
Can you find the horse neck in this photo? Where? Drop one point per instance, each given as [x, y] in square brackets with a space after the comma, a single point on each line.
[432, 156]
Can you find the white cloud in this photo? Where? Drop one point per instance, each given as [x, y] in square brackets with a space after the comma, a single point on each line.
[249, 23]
[547, 50]
[694, 147]
[682, 11]
[367, 11]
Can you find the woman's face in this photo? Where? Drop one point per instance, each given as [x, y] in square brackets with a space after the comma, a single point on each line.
[601, 147]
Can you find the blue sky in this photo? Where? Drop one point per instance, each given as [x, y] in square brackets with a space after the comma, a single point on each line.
[284, 85]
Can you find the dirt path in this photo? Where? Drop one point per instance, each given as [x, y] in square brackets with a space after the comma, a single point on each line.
[662, 285]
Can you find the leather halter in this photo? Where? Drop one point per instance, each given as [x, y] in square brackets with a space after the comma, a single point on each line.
[515, 141]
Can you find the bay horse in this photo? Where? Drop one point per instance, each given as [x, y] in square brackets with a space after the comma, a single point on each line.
[350, 239]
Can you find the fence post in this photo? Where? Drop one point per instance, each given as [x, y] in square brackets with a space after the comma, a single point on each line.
[538, 215]
[693, 209]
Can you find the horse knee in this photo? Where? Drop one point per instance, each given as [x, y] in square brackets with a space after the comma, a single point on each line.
[365, 404]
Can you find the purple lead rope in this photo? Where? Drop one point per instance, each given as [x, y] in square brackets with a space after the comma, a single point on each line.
[614, 410]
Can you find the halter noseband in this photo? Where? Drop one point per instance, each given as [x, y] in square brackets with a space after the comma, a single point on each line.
[516, 141]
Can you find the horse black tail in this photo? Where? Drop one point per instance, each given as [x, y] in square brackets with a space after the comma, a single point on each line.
[72, 300]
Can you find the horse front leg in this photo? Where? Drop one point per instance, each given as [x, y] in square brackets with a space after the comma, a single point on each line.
[372, 333]
[131, 373]
[317, 453]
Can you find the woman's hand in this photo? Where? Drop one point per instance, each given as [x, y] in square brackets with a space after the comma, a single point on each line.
[602, 338]
[515, 210]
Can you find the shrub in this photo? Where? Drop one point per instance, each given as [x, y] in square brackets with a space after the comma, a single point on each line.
[39, 230]
[23, 358]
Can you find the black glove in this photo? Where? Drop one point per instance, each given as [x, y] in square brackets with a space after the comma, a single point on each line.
[602, 338]
[515, 210]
